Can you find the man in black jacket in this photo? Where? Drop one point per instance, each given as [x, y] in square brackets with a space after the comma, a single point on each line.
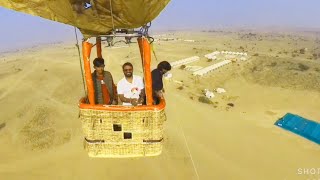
[157, 83]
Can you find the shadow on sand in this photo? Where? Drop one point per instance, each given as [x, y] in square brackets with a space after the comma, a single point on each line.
[2, 125]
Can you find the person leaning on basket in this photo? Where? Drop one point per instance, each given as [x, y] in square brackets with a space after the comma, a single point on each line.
[105, 91]
[157, 83]
[131, 87]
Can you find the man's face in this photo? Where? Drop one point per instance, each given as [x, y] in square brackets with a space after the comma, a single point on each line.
[99, 69]
[163, 71]
[127, 71]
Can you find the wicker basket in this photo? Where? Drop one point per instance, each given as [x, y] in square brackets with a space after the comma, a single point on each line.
[122, 133]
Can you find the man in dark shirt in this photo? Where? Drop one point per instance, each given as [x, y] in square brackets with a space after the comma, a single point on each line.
[157, 83]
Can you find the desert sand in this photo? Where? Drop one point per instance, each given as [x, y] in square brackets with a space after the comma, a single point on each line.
[41, 135]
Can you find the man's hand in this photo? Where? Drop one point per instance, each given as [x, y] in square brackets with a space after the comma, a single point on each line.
[114, 102]
[159, 94]
[141, 100]
[134, 101]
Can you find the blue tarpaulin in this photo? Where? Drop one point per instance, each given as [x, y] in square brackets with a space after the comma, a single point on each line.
[301, 126]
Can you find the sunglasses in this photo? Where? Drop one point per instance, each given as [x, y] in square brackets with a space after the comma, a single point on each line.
[127, 69]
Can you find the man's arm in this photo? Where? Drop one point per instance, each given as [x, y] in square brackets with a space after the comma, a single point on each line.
[115, 94]
[133, 101]
[142, 96]
[159, 93]
[157, 84]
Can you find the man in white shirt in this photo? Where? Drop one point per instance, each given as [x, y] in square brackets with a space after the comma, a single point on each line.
[131, 87]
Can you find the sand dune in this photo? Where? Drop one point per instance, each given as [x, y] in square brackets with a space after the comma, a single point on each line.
[42, 138]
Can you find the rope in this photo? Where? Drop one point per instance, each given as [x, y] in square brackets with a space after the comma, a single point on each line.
[154, 52]
[77, 45]
[110, 1]
[185, 140]
[112, 21]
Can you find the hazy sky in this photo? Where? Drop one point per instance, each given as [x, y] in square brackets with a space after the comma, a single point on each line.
[20, 30]
[213, 13]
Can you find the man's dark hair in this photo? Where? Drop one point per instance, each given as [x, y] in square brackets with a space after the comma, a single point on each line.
[127, 64]
[98, 62]
[164, 65]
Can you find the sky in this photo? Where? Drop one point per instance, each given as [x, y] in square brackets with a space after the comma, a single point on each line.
[240, 13]
[20, 30]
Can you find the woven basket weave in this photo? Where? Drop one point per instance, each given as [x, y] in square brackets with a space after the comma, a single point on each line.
[122, 133]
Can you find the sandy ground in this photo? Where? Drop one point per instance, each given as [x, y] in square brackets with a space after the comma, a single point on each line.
[41, 135]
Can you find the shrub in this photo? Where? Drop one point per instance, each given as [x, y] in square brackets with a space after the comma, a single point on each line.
[205, 100]
[230, 104]
[303, 67]
[182, 67]
[255, 68]
[315, 56]
[180, 87]
[273, 64]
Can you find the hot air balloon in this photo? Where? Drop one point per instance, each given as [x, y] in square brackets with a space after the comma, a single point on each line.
[110, 130]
